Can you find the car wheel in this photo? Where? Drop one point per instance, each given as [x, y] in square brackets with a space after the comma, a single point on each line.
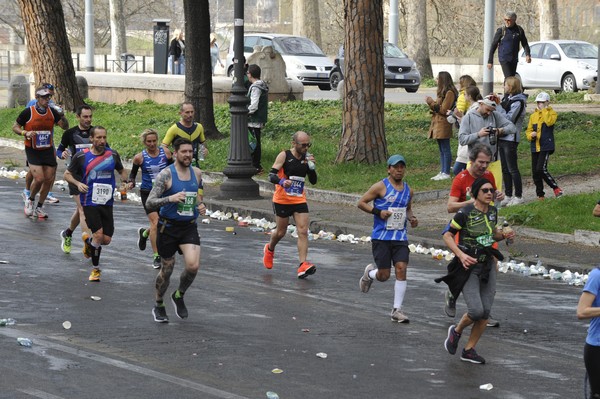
[325, 86]
[230, 71]
[568, 84]
[411, 90]
[334, 80]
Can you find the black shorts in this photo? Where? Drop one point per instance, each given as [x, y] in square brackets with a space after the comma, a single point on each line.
[285, 210]
[45, 157]
[387, 253]
[144, 195]
[171, 235]
[100, 217]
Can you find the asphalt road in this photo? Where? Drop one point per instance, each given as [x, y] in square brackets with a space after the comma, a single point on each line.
[246, 321]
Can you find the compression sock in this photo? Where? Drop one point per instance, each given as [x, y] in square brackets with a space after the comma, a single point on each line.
[399, 291]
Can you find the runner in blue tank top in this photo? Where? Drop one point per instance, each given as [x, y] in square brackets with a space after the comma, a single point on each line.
[177, 193]
[392, 210]
[152, 160]
[92, 172]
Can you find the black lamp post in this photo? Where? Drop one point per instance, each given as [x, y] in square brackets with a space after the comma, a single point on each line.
[239, 169]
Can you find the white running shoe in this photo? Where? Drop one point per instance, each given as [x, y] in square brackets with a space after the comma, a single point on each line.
[444, 176]
[507, 201]
[28, 207]
[516, 201]
[40, 212]
[52, 199]
[437, 177]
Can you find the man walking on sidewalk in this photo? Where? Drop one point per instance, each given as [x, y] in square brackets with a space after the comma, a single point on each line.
[176, 192]
[391, 209]
[288, 174]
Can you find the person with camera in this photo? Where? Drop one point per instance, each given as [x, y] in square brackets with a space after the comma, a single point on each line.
[486, 125]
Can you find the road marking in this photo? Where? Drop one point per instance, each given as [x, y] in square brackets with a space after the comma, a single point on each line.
[39, 394]
[39, 342]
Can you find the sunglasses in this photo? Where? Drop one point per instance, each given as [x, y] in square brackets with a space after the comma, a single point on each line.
[487, 190]
[47, 96]
[49, 86]
[304, 145]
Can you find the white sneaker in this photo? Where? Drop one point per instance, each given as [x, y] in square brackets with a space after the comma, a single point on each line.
[40, 212]
[444, 176]
[52, 199]
[516, 201]
[507, 201]
[28, 207]
[437, 177]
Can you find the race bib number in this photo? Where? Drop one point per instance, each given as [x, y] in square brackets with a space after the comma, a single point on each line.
[297, 187]
[101, 193]
[42, 140]
[397, 219]
[81, 147]
[486, 240]
[186, 208]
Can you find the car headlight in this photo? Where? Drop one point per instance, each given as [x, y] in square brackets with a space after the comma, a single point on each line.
[585, 65]
[299, 66]
[413, 67]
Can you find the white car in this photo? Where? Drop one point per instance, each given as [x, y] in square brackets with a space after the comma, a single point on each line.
[561, 65]
[304, 60]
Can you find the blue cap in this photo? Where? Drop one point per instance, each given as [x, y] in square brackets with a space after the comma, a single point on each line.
[394, 159]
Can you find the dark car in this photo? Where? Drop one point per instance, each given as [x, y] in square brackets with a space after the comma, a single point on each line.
[400, 71]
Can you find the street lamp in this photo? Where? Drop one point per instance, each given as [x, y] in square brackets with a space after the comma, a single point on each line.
[239, 169]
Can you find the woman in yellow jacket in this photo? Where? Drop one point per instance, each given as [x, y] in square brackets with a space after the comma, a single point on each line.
[540, 132]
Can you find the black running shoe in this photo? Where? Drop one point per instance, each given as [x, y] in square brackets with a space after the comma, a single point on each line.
[156, 262]
[160, 314]
[141, 239]
[180, 309]
[471, 356]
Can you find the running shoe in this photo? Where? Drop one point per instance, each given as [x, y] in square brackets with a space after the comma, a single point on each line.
[180, 309]
[450, 307]
[65, 244]
[437, 177]
[52, 199]
[558, 192]
[306, 269]
[366, 281]
[25, 195]
[492, 322]
[95, 275]
[268, 257]
[451, 343]
[398, 316]
[141, 239]
[40, 212]
[156, 262]
[87, 247]
[516, 201]
[28, 207]
[160, 314]
[471, 356]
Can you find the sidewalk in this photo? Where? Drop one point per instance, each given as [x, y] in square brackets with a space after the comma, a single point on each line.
[337, 213]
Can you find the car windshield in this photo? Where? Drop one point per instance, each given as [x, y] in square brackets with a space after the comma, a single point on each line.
[391, 51]
[579, 50]
[295, 45]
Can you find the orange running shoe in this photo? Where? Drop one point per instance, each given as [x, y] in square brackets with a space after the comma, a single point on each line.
[305, 269]
[268, 257]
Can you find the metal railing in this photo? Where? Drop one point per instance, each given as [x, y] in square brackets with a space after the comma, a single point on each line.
[130, 64]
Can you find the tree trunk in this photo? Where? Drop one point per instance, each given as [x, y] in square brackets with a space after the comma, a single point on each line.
[306, 20]
[363, 137]
[198, 72]
[118, 36]
[418, 47]
[548, 11]
[49, 49]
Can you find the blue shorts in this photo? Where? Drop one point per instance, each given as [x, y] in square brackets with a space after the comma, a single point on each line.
[387, 253]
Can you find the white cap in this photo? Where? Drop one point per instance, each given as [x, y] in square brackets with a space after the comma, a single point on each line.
[542, 97]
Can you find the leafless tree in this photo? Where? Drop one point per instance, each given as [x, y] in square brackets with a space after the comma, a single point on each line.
[548, 11]
[418, 47]
[118, 36]
[198, 72]
[49, 49]
[363, 135]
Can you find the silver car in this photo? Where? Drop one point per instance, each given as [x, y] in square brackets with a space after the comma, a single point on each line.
[561, 65]
[304, 60]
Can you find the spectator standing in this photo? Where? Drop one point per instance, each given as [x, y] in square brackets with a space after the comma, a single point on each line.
[454, 116]
[392, 211]
[507, 40]
[214, 53]
[257, 111]
[514, 104]
[589, 308]
[177, 53]
[540, 132]
[440, 129]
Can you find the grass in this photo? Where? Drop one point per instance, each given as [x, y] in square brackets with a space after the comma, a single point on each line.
[562, 215]
[577, 137]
